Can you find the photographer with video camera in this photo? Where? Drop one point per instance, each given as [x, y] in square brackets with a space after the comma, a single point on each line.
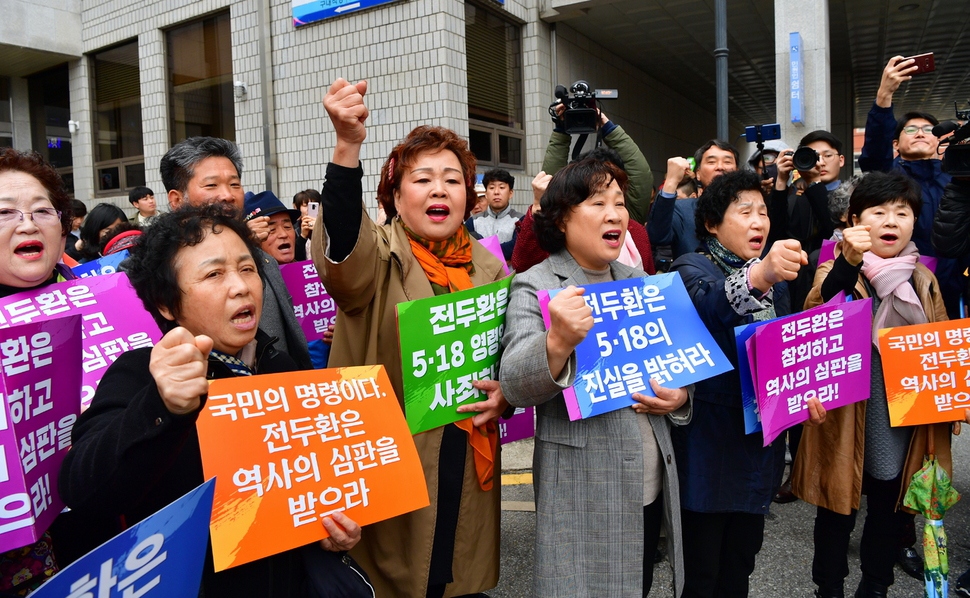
[913, 138]
[580, 114]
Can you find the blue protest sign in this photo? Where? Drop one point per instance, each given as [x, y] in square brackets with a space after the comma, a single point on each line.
[643, 328]
[309, 11]
[163, 554]
[106, 265]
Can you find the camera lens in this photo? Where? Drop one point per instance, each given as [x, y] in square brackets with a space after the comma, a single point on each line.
[805, 158]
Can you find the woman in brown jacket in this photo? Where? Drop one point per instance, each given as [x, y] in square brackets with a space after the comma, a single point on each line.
[856, 451]
[450, 548]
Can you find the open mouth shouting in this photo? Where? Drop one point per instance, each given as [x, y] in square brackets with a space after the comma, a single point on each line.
[438, 212]
[244, 318]
[30, 250]
[889, 238]
[756, 242]
[612, 238]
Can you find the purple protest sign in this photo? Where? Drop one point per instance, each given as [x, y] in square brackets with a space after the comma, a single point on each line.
[518, 427]
[42, 402]
[823, 352]
[494, 246]
[113, 320]
[827, 252]
[314, 308]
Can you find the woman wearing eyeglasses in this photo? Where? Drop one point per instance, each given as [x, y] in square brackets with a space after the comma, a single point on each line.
[35, 217]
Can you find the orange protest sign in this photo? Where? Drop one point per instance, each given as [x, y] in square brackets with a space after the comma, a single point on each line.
[927, 372]
[288, 449]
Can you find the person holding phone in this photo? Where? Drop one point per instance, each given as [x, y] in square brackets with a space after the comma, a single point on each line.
[912, 137]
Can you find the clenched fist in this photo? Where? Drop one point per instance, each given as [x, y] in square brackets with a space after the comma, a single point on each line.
[179, 364]
[782, 263]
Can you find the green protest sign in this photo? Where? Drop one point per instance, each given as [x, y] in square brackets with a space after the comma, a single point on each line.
[447, 342]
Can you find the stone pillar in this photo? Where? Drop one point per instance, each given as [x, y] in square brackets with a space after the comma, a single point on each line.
[153, 80]
[82, 140]
[811, 20]
[20, 113]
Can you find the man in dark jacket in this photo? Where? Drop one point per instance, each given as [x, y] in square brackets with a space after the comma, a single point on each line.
[204, 170]
[912, 137]
[672, 220]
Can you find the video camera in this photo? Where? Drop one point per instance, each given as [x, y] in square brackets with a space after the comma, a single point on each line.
[956, 157]
[581, 115]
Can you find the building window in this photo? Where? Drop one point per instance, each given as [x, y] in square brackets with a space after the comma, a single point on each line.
[50, 109]
[119, 160]
[494, 55]
[6, 117]
[200, 79]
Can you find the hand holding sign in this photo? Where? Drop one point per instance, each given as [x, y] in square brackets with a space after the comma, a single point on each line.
[179, 364]
[782, 263]
[855, 242]
[666, 401]
[344, 532]
[489, 409]
[816, 412]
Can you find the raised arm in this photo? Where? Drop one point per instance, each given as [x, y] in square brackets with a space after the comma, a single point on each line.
[877, 150]
[347, 250]
[640, 189]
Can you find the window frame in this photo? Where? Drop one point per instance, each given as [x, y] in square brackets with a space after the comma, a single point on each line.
[120, 163]
[494, 130]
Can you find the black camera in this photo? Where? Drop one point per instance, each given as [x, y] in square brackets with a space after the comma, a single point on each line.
[956, 158]
[581, 115]
[804, 158]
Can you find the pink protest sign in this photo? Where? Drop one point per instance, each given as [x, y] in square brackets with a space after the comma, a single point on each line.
[113, 320]
[827, 252]
[823, 352]
[518, 427]
[42, 402]
[494, 246]
[314, 308]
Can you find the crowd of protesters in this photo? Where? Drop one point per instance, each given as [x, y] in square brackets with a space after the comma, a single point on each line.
[745, 240]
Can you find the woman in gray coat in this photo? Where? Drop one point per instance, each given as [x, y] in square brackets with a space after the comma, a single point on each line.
[605, 484]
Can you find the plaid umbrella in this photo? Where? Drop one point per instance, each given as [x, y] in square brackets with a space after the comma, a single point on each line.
[931, 493]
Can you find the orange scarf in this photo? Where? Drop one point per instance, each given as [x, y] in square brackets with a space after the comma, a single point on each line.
[448, 265]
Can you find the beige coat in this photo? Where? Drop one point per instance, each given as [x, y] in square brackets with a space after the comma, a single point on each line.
[828, 466]
[380, 273]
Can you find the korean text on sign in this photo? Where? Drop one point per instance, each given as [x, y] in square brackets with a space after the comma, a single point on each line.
[822, 353]
[314, 308]
[306, 445]
[161, 555]
[927, 372]
[41, 402]
[643, 328]
[113, 320]
[447, 343]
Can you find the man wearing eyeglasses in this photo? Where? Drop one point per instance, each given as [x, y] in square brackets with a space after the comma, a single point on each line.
[912, 137]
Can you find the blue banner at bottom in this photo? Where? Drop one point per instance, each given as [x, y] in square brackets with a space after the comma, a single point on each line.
[162, 555]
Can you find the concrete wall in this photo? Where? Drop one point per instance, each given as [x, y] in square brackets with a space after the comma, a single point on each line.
[48, 25]
[413, 55]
